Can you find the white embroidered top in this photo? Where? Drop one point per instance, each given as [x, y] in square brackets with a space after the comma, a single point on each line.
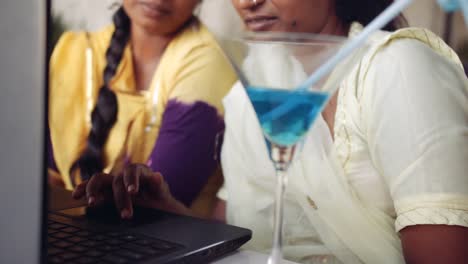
[400, 136]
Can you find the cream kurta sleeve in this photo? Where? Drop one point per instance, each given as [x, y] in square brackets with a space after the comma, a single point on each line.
[415, 110]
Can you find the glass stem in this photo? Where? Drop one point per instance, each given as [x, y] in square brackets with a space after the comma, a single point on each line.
[282, 157]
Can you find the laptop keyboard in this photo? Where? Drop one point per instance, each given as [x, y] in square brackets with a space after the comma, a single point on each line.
[69, 244]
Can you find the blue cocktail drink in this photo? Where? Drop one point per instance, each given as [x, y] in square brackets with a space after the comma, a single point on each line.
[273, 68]
[300, 109]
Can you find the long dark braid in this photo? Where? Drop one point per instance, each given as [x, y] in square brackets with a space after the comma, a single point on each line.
[364, 11]
[104, 114]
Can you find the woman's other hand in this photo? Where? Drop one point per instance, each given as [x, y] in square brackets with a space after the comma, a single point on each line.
[54, 179]
[137, 185]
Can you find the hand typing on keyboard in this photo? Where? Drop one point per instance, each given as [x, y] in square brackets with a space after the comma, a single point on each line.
[137, 185]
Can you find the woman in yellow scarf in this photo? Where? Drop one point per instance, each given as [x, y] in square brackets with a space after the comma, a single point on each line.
[145, 90]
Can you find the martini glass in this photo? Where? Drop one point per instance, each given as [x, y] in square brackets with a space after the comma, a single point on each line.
[273, 68]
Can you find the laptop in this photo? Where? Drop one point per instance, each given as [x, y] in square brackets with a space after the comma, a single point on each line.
[98, 235]
[29, 233]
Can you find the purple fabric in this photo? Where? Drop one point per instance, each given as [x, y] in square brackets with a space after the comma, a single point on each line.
[188, 147]
[187, 150]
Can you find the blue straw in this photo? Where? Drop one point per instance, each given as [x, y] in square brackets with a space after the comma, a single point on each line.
[379, 22]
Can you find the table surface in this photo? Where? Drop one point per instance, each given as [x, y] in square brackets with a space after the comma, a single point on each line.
[247, 257]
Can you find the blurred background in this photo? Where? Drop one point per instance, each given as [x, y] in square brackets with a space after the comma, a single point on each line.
[91, 15]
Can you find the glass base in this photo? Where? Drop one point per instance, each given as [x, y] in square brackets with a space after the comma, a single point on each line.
[275, 257]
[282, 158]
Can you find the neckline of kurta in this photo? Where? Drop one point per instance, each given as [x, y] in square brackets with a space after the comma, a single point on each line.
[124, 83]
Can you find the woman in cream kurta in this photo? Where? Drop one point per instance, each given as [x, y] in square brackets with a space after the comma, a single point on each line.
[396, 158]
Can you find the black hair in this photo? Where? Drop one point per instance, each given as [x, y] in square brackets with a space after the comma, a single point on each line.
[104, 114]
[364, 11]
